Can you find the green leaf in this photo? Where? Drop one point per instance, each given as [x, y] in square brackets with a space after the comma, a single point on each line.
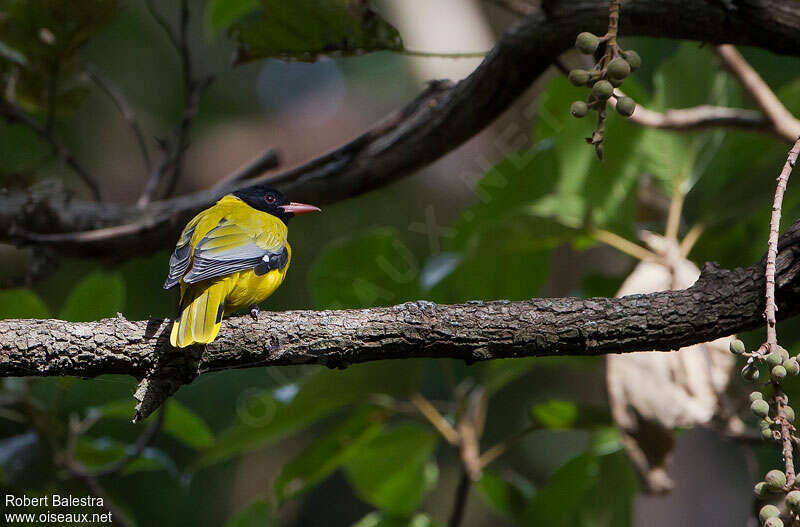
[262, 419]
[179, 421]
[304, 29]
[186, 426]
[506, 496]
[505, 259]
[257, 514]
[22, 303]
[373, 268]
[588, 491]
[381, 519]
[41, 40]
[555, 414]
[220, 14]
[96, 453]
[585, 188]
[326, 454]
[394, 471]
[682, 158]
[99, 295]
[558, 503]
[497, 374]
[153, 459]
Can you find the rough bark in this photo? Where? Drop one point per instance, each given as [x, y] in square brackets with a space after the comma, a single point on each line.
[720, 303]
[440, 120]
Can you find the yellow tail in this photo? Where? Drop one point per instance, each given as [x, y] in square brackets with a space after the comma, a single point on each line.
[201, 315]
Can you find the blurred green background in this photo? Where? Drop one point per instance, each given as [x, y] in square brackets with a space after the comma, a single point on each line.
[503, 217]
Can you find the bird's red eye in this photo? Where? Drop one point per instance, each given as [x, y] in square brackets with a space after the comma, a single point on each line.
[270, 198]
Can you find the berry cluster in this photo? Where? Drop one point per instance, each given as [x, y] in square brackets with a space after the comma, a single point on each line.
[779, 363]
[608, 73]
[772, 420]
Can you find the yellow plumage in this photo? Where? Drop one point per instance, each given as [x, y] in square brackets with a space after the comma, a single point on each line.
[229, 235]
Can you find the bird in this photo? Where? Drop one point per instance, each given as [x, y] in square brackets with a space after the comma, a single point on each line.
[230, 256]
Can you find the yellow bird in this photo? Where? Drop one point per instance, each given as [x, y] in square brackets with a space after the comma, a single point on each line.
[230, 256]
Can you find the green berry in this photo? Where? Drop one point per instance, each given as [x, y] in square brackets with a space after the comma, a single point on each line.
[755, 396]
[765, 423]
[775, 358]
[587, 43]
[760, 408]
[783, 352]
[633, 59]
[737, 347]
[767, 512]
[788, 411]
[775, 480]
[793, 500]
[778, 373]
[773, 522]
[579, 109]
[602, 90]
[578, 77]
[618, 68]
[766, 434]
[760, 489]
[792, 366]
[750, 373]
[626, 106]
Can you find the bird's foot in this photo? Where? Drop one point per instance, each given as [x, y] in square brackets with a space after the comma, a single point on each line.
[254, 312]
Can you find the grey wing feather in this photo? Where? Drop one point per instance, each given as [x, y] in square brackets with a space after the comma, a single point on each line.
[179, 261]
[221, 260]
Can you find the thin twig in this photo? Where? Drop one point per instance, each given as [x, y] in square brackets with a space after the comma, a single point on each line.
[460, 503]
[624, 246]
[15, 114]
[779, 399]
[142, 442]
[675, 210]
[784, 122]
[611, 51]
[265, 161]
[772, 245]
[436, 419]
[174, 149]
[161, 21]
[124, 107]
[497, 450]
[118, 517]
[470, 427]
[688, 241]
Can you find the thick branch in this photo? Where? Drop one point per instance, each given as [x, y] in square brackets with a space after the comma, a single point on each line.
[722, 302]
[427, 129]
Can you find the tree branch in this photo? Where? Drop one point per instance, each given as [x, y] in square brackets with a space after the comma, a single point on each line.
[438, 121]
[782, 119]
[720, 303]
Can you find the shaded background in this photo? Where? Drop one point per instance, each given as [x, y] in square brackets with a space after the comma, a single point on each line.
[477, 224]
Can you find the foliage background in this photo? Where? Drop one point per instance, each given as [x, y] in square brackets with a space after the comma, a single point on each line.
[502, 217]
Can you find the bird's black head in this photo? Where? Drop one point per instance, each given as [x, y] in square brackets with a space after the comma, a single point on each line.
[267, 199]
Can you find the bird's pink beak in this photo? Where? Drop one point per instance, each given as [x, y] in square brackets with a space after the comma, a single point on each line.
[299, 208]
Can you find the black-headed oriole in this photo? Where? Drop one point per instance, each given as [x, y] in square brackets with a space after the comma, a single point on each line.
[230, 256]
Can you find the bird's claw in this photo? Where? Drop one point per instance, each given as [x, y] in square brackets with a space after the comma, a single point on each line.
[254, 312]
